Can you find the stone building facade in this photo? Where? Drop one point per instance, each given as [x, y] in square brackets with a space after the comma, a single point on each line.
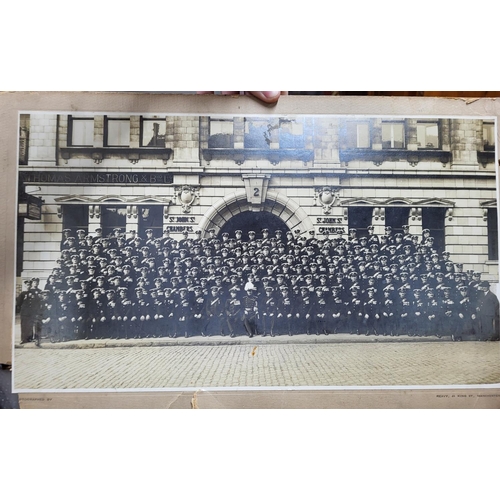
[312, 175]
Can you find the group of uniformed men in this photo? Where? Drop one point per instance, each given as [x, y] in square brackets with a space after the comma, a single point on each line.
[277, 284]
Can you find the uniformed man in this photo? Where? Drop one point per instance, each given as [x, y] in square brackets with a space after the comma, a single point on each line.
[123, 312]
[417, 314]
[29, 310]
[431, 326]
[371, 313]
[250, 308]
[268, 309]
[48, 319]
[183, 311]
[233, 311]
[403, 312]
[319, 312]
[466, 316]
[141, 313]
[302, 311]
[214, 313]
[80, 317]
[64, 327]
[168, 325]
[337, 310]
[110, 325]
[387, 317]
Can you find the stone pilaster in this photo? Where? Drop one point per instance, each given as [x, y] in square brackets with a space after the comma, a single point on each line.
[42, 139]
[135, 131]
[186, 139]
[464, 142]
[376, 133]
[411, 134]
[239, 132]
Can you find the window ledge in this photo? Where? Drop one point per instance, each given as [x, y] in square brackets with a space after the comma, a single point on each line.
[380, 156]
[132, 154]
[273, 155]
[485, 157]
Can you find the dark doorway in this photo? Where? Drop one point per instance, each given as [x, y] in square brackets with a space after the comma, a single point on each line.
[75, 217]
[150, 217]
[360, 218]
[254, 221]
[433, 218]
[396, 217]
[113, 217]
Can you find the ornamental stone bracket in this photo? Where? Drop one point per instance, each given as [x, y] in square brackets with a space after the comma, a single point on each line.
[416, 214]
[486, 206]
[327, 198]
[95, 211]
[187, 196]
[256, 190]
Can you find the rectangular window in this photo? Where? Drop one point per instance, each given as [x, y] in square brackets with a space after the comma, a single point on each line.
[221, 134]
[257, 134]
[291, 134]
[80, 131]
[117, 132]
[492, 234]
[358, 135]
[221, 127]
[153, 132]
[489, 136]
[428, 135]
[393, 135]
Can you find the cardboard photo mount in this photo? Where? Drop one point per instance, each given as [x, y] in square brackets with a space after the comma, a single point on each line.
[11, 103]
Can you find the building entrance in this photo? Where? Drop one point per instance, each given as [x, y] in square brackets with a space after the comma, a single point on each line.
[254, 221]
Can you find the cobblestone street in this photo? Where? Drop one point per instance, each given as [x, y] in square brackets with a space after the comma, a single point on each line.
[257, 364]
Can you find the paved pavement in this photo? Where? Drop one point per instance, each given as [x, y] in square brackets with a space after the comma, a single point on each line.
[258, 365]
[216, 362]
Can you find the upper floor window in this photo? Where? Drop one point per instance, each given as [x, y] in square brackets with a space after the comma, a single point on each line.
[257, 134]
[116, 131]
[393, 135]
[489, 136]
[291, 134]
[80, 131]
[357, 135]
[221, 133]
[427, 135]
[153, 131]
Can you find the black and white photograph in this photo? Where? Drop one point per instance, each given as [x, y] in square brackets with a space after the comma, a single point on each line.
[165, 252]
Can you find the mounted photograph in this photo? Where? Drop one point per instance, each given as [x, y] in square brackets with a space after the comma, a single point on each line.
[175, 251]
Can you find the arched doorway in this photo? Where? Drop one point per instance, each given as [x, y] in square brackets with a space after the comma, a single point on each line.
[254, 221]
[292, 216]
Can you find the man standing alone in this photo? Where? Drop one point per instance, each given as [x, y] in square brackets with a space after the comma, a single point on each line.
[487, 308]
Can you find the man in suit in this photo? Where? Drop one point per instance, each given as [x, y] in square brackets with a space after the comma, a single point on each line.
[487, 308]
